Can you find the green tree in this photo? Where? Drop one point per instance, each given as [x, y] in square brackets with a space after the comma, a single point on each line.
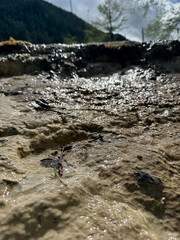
[172, 25]
[147, 10]
[161, 18]
[165, 26]
[111, 17]
[154, 30]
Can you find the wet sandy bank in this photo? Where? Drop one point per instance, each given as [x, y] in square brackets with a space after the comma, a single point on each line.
[115, 120]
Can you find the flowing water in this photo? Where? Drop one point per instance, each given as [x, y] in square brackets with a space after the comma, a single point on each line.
[113, 125]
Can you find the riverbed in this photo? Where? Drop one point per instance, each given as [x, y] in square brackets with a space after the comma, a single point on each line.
[104, 121]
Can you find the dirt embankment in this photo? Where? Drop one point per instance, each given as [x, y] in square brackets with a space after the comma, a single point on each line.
[104, 118]
[24, 58]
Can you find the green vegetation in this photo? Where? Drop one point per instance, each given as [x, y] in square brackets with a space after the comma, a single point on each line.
[164, 27]
[111, 17]
[38, 21]
[12, 41]
[161, 21]
[155, 31]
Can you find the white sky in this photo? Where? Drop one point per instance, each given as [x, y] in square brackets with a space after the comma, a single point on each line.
[87, 10]
[80, 7]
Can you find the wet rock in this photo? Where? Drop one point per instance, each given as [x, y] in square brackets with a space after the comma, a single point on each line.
[48, 162]
[149, 185]
[17, 91]
[42, 104]
[146, 178]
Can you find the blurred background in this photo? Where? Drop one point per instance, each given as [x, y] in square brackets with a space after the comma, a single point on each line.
[139, 13]
[72, 21]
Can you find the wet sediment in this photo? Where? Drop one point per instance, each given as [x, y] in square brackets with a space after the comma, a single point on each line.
[114, 108]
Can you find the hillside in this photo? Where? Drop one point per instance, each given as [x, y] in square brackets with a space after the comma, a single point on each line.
[38, 21]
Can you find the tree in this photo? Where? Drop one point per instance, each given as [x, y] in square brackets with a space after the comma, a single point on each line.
[147, 11]
[161, 17]
[166, 25]
[154, 30]
[111, 17]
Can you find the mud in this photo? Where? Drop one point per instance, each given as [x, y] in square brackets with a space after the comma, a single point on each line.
[116, 108]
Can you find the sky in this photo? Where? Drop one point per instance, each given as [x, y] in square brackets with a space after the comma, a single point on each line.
[87, 10]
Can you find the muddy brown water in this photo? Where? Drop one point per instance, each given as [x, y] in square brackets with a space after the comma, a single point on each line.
[116, 124]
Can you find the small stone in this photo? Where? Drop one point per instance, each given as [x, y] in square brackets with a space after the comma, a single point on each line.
[149, 185]
[146, 178]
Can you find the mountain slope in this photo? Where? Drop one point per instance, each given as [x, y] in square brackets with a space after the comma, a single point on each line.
[38, 21]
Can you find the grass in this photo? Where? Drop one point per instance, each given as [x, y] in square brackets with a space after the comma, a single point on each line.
[12, 41]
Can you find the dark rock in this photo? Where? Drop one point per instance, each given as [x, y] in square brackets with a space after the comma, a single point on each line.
[149, 185]
[17, 91]
[97, 137]
[139, 157]
[54, 153]
[42, 104]
[66, 148]
[145, 177]
[49, 162]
